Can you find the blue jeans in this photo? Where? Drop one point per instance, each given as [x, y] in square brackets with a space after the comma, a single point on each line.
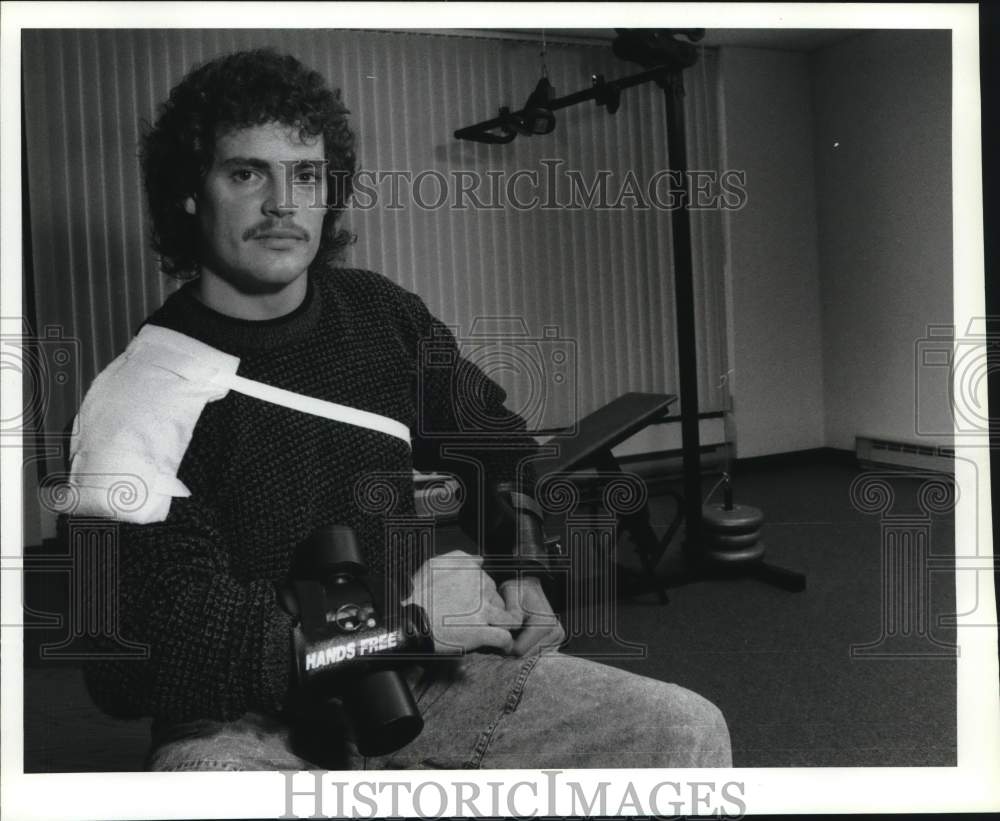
[492, 712]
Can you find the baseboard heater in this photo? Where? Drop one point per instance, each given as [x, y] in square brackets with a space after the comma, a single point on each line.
[893, 453]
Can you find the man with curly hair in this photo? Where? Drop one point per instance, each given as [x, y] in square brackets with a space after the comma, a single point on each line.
[274, 394]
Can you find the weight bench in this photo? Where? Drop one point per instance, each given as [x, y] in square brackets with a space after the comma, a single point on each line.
[590, 447]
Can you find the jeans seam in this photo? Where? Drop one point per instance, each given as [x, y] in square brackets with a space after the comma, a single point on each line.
[202, 764]
[510, 705]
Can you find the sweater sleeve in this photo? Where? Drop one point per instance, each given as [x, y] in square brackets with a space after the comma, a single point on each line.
[216, 647]
[463, 427]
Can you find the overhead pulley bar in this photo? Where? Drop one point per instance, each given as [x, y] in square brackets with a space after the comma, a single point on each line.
[536, 114]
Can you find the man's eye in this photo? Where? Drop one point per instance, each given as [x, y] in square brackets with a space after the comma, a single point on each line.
[243, 175]
[306, 176]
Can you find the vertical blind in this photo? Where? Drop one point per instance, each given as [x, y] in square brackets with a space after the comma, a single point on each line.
[594, 282]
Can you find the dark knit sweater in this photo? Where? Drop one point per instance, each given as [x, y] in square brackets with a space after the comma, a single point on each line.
[198, 588]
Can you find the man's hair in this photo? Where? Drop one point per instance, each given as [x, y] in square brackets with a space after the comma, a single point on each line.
[240, 90]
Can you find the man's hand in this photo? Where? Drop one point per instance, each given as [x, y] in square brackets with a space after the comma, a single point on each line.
[463, 605]
[540, 627]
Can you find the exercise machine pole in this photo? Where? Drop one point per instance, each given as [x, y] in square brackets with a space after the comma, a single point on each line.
[732, 546]
[673, 56]
[687, 358]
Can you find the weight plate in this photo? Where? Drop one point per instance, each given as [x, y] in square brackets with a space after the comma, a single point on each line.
[747, 554]
[741, 519]
[732, 541]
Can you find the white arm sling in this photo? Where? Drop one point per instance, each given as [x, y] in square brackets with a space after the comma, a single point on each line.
[136, 423]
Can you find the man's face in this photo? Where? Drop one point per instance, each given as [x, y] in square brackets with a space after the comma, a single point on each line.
[261, 210]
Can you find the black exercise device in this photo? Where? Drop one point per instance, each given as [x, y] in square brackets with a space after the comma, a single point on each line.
[514, 542]
[717, 539]
[346, 650]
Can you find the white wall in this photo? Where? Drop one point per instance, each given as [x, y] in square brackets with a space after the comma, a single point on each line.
[883, 165]
[842, 258]
[773, 268]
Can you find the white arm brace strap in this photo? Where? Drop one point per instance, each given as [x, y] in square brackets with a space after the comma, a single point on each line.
[136, 423]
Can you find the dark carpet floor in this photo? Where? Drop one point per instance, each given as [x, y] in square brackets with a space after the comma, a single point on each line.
[778, 664]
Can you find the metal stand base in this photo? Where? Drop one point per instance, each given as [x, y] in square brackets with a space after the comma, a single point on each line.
[633, 583]
[790, 580]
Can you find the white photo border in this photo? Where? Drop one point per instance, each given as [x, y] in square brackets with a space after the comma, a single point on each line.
[970, 786]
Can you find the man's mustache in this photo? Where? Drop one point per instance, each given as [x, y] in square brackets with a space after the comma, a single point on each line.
[276, 230]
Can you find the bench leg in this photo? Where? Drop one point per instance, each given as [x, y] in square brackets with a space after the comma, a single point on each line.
[638, 526]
